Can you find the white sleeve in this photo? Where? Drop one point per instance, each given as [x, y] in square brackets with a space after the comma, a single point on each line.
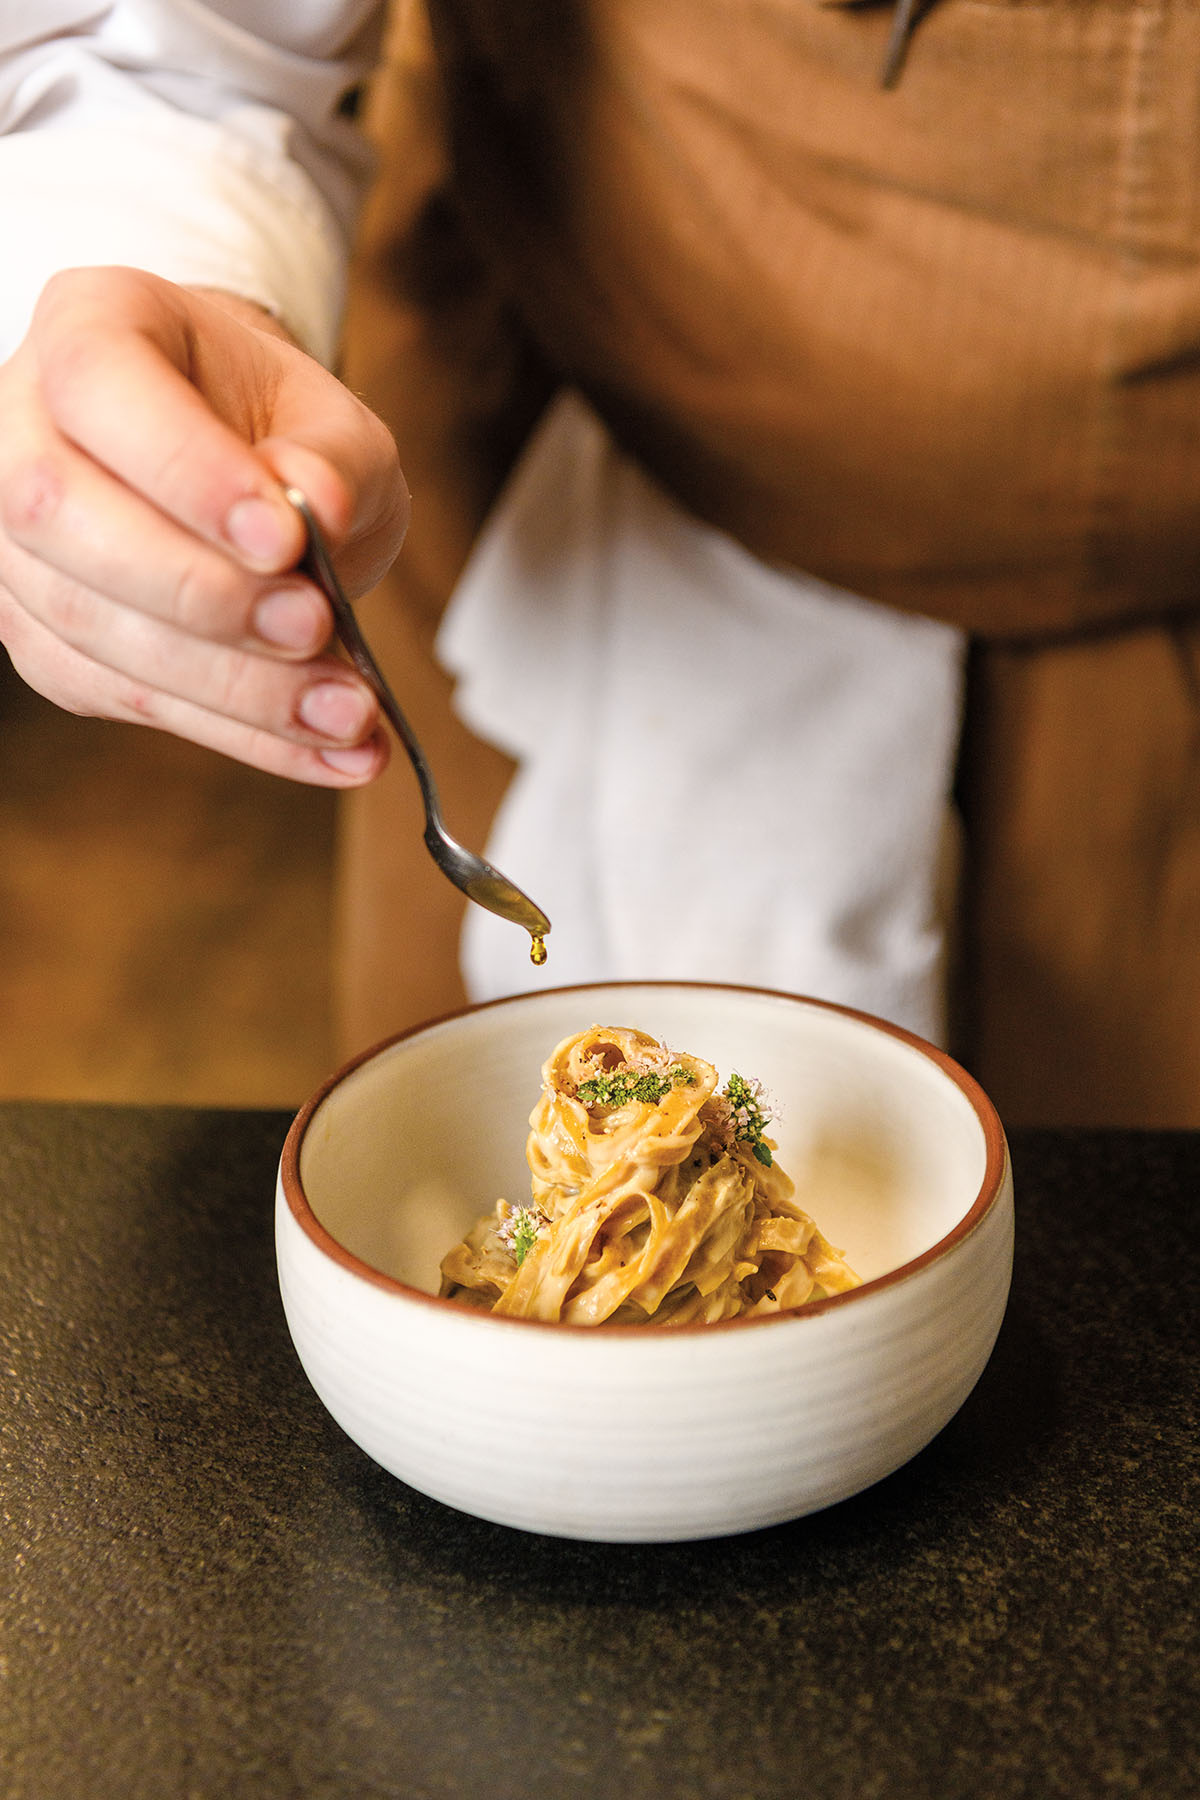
[205, 142]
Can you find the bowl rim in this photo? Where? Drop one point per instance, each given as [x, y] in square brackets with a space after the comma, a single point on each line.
[996, 1160]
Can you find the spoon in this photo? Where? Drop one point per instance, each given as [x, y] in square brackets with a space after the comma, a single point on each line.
[477, 879]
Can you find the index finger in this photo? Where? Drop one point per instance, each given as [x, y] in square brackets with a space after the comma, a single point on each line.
[121, 358]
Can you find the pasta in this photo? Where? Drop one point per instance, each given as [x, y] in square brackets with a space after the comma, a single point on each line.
[655, 1199]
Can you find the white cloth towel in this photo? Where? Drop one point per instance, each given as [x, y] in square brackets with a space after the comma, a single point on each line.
[728, 771]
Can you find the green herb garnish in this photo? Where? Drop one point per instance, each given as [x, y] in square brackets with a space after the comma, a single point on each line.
[521, 1231]
[618, 1087]
[749, 1114]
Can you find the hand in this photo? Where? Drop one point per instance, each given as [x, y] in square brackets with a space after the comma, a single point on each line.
[147, 553]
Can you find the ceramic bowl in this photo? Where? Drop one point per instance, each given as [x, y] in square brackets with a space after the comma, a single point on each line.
[636, 1433]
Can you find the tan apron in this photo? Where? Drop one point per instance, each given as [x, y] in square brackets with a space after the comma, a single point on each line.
[938, 343]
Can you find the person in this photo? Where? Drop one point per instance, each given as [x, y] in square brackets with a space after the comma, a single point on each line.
[809, 456]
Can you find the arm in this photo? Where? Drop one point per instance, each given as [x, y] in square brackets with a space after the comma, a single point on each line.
[186, 140]
[146, 427]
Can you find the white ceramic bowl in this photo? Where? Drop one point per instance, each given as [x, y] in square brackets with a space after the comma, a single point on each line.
[637, 1433]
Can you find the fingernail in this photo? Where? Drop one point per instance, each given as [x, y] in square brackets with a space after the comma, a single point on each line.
[260, 529]
[335, 709]
[292, 618]
[360, 760]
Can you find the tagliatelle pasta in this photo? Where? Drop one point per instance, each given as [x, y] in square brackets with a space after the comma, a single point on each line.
[655, 1199]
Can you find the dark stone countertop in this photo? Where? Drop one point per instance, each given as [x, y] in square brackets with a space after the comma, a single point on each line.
[210, 1593]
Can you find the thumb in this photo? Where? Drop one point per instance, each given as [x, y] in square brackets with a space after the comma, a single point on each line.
[355, 488]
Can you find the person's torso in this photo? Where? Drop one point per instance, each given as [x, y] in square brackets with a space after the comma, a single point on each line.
[939, 343]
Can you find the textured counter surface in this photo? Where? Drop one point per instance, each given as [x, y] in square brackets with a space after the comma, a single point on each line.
[210, 1593]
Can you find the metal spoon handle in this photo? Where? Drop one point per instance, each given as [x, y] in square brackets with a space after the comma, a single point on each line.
[472, 874]
[318, 563]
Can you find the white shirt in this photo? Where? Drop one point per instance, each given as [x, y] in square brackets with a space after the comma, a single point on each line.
[201, 142]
